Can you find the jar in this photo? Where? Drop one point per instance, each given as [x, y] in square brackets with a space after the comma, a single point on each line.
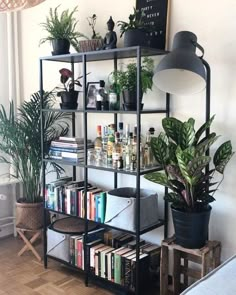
[90, 157]
[112, 101]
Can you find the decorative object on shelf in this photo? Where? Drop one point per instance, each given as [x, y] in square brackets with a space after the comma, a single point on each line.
[134, 31]
[96, 41]
[61, 30]
[126, 82]
[68, 94]
[14, 5]
[91, 99]
[156, 16]
[110, 38]
[181, 152]
[22, 150]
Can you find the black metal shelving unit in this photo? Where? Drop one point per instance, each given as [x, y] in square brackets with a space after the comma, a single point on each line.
[100, 56]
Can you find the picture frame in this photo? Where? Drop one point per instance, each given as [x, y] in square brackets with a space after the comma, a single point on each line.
[91, 90]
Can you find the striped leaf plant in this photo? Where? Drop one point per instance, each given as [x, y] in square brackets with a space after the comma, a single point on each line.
[182, 153]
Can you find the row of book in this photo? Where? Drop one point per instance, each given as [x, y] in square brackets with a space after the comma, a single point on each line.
[68, 149]
[112, 256]
[67, 196]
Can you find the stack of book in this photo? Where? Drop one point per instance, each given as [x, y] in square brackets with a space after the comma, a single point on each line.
[69, 149]
[115, 261]
[67, 196]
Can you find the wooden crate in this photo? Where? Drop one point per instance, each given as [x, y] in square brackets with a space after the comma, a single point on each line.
[207, 257]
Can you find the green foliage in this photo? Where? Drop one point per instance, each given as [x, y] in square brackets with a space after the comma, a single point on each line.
[21, 140]
[62, 27]
[126, 80]
[135, 22]
[181, 152]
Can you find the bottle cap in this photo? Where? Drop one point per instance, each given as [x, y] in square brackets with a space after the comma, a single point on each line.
[121, 125]
[152, 130]
[102, 83]
[117, 134]
[99, 128]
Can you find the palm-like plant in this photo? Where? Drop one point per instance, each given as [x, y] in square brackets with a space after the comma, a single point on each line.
[181, 152]
[21, 141]
[62, 27]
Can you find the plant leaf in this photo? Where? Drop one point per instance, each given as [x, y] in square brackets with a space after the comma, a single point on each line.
[186, 136]
[222, 156]
[202, 129]
[159, 178]
[172, 127]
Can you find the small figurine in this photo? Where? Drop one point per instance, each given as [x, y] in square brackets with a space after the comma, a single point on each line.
[110, 38]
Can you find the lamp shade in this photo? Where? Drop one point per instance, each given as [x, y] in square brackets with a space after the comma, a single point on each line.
[181, 71]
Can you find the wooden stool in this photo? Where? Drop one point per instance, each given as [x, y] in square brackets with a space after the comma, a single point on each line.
[208, 257]
[29, 243]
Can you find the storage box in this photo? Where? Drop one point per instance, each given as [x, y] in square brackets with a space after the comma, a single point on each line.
[59, 233]
[121, 208]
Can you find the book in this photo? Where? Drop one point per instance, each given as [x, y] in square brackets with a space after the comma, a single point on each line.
[97, 265]
[103, 206]
[109, 237]
[117, 264]
[123, 259]
[69, 155]
[94, 235]
[103, 261]
[91, 203]
[122, 240]
[92, 256]
[143, 271]
[88, 251]
[132, 244]
[73, 139]
[80, 253]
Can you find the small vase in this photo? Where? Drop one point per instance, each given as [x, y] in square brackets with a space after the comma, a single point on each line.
[135, 37]
[69, 100]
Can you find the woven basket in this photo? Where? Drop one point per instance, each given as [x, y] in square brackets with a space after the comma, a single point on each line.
[71, 225]
[90, 45]
[10, 5]
[29, 215]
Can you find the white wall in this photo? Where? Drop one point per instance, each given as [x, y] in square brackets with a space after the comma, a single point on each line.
[214, 24]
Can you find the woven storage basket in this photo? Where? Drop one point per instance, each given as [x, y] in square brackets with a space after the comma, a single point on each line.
[71, 225]
[10, 5]
[29, 215]
[90, 45]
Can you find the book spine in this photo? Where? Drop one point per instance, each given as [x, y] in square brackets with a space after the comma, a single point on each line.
[103, 206]
[127, 272]
[79, 246]
[117, 270]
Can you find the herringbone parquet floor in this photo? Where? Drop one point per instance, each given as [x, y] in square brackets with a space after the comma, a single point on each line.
[26, 276]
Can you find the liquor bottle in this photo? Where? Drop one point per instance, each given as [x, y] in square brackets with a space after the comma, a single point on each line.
[98, 140]
[105, 138]
[128, 151]
[147, 151]
[120, 130]
[133, 163]
[98, 146]
[127, 133]
[117, 151]
[153, 161]
[110, 142]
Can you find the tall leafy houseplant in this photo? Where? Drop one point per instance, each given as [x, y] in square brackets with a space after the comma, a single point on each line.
[61, 30]
[181, 152]
[20, 144]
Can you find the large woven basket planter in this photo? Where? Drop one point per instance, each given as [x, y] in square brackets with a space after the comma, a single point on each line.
[29, 215]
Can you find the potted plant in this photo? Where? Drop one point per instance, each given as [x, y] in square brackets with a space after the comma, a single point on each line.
[181, 153]
[125, 82]
[68, 93]
[135, 31]
[21, 148]
[61, 31]
[96, 41]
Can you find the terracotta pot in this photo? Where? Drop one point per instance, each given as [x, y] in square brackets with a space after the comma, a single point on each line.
[29, 215]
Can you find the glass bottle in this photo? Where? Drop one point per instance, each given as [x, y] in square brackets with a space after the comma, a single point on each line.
[128, 151]
[147, 151]
[112, 101]
[152, 158]
[117, 151]
[121, 131]
[98, 140]
[110, 142]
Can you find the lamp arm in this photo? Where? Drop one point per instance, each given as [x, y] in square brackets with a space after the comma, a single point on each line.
[199, 47]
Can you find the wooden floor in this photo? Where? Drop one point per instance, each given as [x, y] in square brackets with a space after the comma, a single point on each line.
[26, 276]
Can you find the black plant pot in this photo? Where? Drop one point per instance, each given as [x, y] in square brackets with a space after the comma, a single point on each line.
[191, 228]
[60, 46]
[135, 37]
[130, 96]
[69, 96]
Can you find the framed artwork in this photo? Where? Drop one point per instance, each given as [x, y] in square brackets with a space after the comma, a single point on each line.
[92, 88]
[156, 15]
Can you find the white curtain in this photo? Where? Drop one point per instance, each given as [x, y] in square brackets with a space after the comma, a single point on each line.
[10, 64]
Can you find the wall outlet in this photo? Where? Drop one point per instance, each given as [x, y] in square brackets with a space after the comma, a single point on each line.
[3, 197]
